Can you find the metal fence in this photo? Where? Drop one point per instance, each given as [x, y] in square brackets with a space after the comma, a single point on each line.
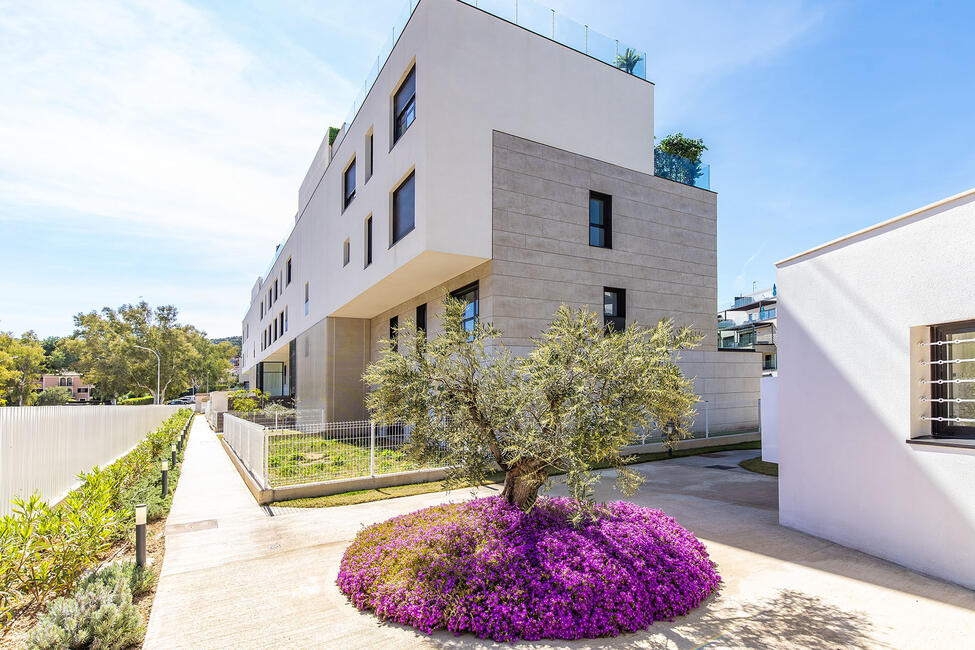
[297, 448]
[281, 451]
[44, 448]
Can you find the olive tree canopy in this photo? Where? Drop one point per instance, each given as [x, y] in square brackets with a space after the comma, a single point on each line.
[570, 405]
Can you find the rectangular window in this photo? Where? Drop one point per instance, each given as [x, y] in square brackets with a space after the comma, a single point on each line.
[262, 309]
[288, 273]
[369, 158]
[275, 329]
[470, 296]
[421, 318]
[393, 326]
[64, 381]
[281, 321]
[269, 301]
[275, 289]
[306, 299]
[368, 239]
[600, 220]
[404, 209]
[404, 106]
[614, 308]
[953, 380]
[349, 183]
[285, 319]
[345, 252]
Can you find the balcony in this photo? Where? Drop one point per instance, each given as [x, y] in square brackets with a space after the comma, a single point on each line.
[682, 170]
[545, 22]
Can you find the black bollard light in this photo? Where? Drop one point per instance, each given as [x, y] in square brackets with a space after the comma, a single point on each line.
[179, 444]
[140, 535]
[165, 478]
[172, 457]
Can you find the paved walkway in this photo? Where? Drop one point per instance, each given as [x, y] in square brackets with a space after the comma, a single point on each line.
[234, 576]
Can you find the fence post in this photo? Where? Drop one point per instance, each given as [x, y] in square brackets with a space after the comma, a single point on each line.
[707, 419]
[372, 447]
[759, 415]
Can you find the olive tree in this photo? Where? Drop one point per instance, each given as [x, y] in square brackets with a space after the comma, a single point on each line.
[568, 406]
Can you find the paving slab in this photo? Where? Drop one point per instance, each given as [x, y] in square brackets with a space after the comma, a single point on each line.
[233, 576]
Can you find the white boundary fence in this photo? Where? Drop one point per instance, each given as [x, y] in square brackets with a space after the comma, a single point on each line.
[44, 448]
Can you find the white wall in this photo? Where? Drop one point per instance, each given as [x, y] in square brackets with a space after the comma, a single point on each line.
[44, 448]
[846, 470]
[770, 419]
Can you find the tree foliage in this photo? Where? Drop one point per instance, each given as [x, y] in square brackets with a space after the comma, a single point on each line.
[679, 158]
[569, 405]
[21, 364]
[628, 60]
[54, 396]
[678, 144]
[110, 359]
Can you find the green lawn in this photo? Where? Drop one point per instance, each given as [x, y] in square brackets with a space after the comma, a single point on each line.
[366, 496]
[294, 457]
[759, 466]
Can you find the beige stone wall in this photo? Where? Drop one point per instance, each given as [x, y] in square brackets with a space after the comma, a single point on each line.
[664, 255]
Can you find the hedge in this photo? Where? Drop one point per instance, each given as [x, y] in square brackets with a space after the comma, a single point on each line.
[137, 401]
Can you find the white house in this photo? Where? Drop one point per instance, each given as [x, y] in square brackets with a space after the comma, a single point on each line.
[499, 158]
[876, 390]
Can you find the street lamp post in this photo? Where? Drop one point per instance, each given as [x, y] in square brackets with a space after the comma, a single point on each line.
[158, 366]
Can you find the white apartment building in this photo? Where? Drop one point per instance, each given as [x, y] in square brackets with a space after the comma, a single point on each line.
[500, 162]
[749, 323]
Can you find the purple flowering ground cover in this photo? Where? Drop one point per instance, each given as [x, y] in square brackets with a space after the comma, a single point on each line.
[485, 567]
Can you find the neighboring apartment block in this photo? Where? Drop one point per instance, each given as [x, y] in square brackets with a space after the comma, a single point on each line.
[492, 162]
[750, 324]
[73, 381]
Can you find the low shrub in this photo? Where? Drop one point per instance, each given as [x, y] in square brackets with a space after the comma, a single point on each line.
[484, 566]
[44, 549]
[99, 614]
[137, 401]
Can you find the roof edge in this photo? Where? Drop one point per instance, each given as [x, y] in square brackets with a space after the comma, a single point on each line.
[877, 226]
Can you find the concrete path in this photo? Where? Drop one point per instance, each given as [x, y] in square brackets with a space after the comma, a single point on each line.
[236, 577]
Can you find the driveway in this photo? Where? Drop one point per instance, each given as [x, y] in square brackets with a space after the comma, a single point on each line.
[235, 576]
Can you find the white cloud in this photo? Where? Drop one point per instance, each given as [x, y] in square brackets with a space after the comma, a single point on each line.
[151, 113]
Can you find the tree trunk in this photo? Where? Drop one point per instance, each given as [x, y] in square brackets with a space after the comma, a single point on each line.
[521, 487]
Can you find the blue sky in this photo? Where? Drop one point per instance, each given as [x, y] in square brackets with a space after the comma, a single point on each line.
[154, 150]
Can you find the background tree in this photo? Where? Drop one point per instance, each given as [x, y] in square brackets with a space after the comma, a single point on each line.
[21, 363]
[569, 405]
[54, 396]
[111, 361]
[679, 158]
[61, 353]
[628, 60]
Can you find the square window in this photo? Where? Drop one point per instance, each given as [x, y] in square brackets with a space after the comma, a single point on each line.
[404, 208]
[953, 380]
[600, 220]
[614, 308]
[349, 184]
[404, 106]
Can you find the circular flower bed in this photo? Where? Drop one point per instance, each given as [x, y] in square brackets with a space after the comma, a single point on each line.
[483, 566]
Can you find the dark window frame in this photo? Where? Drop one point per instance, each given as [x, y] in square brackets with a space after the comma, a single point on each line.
[461, 294]
[368, 238]
[421, 318]
[287, 275]
[940, 371]
[370, 155]
[346, 251]
[347, 195]
[616, 321]
[407, 113]
[606, 228]
[396, 232]
[393, 326]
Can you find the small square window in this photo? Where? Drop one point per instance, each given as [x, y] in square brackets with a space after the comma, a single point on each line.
[614, 309]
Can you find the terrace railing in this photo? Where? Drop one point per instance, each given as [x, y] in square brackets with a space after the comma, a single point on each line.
[680, 169]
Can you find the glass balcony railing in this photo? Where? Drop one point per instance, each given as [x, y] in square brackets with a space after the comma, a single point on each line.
[725, 324]
[545, 22]
[682, 170]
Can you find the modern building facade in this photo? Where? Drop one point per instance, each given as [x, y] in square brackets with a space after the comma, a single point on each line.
[876, 393]
[492, 162]
[81, 391]
[749, 323]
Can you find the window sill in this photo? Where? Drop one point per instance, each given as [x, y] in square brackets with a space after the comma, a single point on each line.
[957, 443]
